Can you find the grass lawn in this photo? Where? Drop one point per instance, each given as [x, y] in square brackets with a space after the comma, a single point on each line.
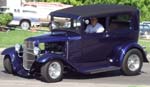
[10, 38]
[146, 43]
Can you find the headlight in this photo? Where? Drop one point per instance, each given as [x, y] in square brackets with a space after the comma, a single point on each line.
[36, 50]
[17, 47]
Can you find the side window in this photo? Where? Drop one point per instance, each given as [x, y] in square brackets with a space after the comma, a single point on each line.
[120, 22]
[61, 22]
[95, 25]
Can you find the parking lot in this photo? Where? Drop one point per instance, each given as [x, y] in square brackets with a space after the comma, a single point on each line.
[109, 79]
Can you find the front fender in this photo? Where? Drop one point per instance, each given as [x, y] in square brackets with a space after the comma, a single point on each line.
[10, 52]
[16, 61]
[49, 56]
[122, 50]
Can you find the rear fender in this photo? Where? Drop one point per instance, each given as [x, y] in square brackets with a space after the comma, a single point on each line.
[122, 50]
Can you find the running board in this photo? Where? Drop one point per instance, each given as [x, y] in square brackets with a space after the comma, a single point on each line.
[111, 68]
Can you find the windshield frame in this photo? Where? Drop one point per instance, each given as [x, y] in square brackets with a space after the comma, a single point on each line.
[72, 29]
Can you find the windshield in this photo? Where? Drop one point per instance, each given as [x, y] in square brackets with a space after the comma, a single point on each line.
[65, 23]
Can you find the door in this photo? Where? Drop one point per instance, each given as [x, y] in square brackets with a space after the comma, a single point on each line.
[96, 47]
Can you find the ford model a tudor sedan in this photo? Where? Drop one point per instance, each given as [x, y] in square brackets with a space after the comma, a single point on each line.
[68, 46]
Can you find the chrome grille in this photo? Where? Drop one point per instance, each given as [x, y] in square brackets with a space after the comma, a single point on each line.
[28, 55]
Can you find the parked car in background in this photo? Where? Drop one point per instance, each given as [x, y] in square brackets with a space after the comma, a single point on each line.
[44, 9]
[32, 13]
[25, 17]
[146, 23]
[69, 47]
[144, 31]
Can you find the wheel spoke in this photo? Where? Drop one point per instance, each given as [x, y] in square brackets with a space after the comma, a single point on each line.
[132, 66]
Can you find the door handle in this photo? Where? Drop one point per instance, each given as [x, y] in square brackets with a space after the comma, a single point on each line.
[107, 35]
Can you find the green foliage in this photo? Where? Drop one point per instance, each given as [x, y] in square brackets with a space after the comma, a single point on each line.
[143, 5]
[145, 43]
[5, 19]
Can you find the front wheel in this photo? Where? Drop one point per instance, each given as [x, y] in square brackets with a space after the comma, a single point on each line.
[133, 62]
[7, 65]
[52, 71]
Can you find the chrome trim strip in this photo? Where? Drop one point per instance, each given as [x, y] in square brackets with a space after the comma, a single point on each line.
[30, 60]
[28, 52]
[67, 50]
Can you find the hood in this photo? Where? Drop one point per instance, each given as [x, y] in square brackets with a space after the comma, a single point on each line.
[55, 37]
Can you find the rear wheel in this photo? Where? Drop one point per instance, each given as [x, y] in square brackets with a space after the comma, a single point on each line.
[8, 65]
[25, 25]
[133, 62]
[52, 71]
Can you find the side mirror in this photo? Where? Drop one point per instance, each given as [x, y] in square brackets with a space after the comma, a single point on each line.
[86, 21]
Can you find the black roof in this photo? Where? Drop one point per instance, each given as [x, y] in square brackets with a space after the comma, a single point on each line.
[94, 10]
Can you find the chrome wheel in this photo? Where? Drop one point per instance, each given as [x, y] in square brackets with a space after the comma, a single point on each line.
[54, 70]
[133, 62]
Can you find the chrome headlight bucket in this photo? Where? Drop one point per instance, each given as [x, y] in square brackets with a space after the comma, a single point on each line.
[17, 47]
[36, 50]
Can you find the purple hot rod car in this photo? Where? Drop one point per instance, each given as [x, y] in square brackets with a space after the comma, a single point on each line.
[69, 47]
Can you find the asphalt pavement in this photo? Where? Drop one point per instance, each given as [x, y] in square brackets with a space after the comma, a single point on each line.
[107, 79]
